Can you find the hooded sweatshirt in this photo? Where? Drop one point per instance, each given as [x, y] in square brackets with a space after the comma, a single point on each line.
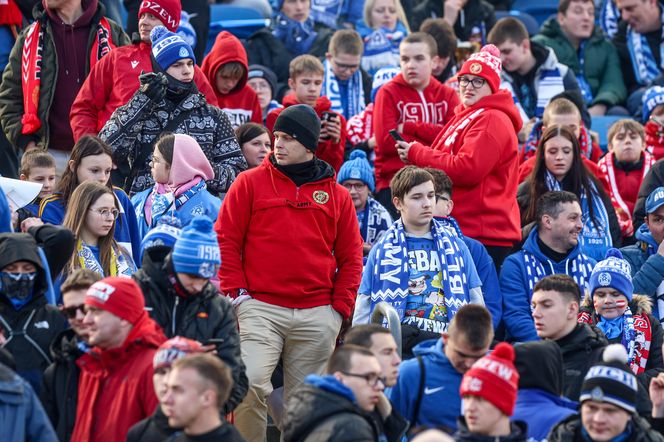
[241, 103]
[478, 150]
[423, 114]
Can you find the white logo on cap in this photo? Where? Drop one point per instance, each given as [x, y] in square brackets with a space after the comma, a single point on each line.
[207, 269]
[355, 174]
[101, 291]
[604, 279]
[183, 52]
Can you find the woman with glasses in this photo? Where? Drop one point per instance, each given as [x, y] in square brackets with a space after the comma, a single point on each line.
[478, 151]
[91, 215]
[90, 160]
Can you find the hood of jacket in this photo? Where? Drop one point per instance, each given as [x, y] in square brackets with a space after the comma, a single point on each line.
[584, 337]
[227, 48]
[23, 247]
[558, 267]
[65, 347]
[500, 100]
[540, 365]
[639, 305]
[537, 396]
[518, 433]
[643, 234]
[189, 162]
[432, 348]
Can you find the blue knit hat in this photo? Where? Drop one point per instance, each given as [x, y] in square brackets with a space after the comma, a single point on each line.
[655, 200]
[357, 168]
[168, 47]
[196, 252]
[382, 76]
[651, 98]
[165, 233]
[613, 272]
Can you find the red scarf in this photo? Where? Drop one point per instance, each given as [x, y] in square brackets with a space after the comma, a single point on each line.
[31, 61]
[655, 139]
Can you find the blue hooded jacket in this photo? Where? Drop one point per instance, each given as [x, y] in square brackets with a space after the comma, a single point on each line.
[441, 402]
[514, 285]
[530, 403]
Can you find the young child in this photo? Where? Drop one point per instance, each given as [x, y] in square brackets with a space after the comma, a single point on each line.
[226, 68]
[306, 81]
[179, 169]
[653, 118]
[414, 103]
[345, 83]
[91, 160]
[37, 166]
[91, 215]
[263, 81]
[431, 273]
[624, 168]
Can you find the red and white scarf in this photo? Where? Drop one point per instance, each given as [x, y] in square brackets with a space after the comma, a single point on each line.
[31, 61]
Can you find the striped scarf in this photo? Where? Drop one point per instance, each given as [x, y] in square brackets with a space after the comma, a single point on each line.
[609, 16]
[355, 91]
[643, 61]
[121, 265]
[530, 146]
[578, 268]
[548, 84]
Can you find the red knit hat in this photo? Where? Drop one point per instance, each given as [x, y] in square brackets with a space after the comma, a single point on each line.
[174, 349]
[494, 378]
[120, 296]
[167, 11]
[486, 64]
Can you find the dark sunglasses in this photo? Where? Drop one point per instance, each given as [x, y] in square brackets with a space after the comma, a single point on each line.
[70, 312]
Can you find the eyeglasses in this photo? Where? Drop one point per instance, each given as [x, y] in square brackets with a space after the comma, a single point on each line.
[345, 67]
[356, 186]
[477, 82]
[70, 312]
[372, 378]
[105, 213]
[442, 198]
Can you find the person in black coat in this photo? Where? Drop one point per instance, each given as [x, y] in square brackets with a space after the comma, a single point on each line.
[474, 19]
[653, 179]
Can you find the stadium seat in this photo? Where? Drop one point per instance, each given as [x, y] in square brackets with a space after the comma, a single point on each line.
[238, 20]
[528, 20]
[601, 125]
[540, 9]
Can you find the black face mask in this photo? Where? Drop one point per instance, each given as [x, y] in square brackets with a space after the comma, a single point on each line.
[176, 89]
[18, 287]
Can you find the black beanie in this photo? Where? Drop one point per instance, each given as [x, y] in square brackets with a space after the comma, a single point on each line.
[540, 365]
[300, 122]
[260, 71]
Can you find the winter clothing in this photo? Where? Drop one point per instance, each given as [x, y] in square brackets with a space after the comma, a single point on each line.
[151, 429]
[595, 62]
[325, 409]
[135, 127]
[312, 219]
[89, 257]
[54, 104]
[225, 432]
[119, 296]
[652, 97]
[22, 417]
[200, 317]
[196, 251]
[381, 45]
[174, 349]
[485, 64]
[168, 47]
[357, 168]
[167, 11]
[570, 430]
[612, 272]
[300, 122]
[423, 115]
[166, 232]
[648, 53]
[531, 402]
[480, 156]
[655, 200]
[52, 210]
[518, 433]
[474, 22]
[241, 103]
[115, 385]
[653, 180]
[374, 221]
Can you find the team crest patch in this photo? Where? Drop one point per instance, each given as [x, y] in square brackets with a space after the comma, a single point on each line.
[321, 196]
[183, 52]
[604, 279]
[207, 270]
[475, 68]
[597, 394]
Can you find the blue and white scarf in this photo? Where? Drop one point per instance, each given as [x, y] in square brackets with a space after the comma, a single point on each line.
[595, 238]
[391, 271]
[586, 91]
[297, 37]
[609, 16]
[548, 84]
[326, 12]
[376, 220]
[355, 91]
[643, 61]
[579, 269]
[381, 46]
[124, 266]
[167, 202]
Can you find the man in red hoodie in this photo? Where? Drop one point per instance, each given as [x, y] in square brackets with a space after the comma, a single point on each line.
[226, 68]
[415, 104]
[292, 262]
[112, 83]
[115, 388]
[306, 80]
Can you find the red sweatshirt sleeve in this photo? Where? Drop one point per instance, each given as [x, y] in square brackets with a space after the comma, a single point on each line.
[257, 112]
[423, 132]
[204, 87]
[91, 98]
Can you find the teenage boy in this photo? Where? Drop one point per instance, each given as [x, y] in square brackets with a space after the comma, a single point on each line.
[489, 392]
[306, 81]
[430, 274]
[444, 63]
[345, 83]
[414, 103]
[530, 71]
[581, 46]
[623, 169]
[37, 166]
[226, 69]
[381, 343]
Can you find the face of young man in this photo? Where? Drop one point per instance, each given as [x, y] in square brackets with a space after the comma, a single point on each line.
[385, 350]
[603, 421]
[628, 146]
[287, 150]
[553, 314]
[514, 55]
[482, 417]
[572, 121]
[416, 209]
[344, 65]
[460, 354]
[72, 303]
[105, 330]
[186, 397]
[416, 64]
[182, 70]
[565, 228]
[578, 21]
[225, 84]
[297, 10]
[655, 223]
[307, 87]
[146, 22]
[365, 380]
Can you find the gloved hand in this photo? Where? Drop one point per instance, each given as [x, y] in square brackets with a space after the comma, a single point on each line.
[153, 85]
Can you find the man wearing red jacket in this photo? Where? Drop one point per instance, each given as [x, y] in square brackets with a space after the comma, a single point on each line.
[112, 83]
[292, 262]
[415, 104]
[226, 68]
[115, 387]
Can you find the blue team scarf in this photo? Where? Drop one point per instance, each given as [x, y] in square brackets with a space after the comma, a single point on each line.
[381, 46]
[326, 12]
[549, 83]
[643, 61]
[297, 37]
[375, 221]
[166, 202]
[391, 271]
[609, 16]
[586, 92]
[595, 238]
[355, 91]
[121, 264]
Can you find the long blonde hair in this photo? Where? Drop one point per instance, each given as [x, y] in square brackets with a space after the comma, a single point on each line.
[401, 14]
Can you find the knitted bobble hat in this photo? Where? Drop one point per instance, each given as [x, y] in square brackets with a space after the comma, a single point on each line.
[485, 64]
[357, 168]
[614, 272]
[120, 296]
[174, 349]
[652, 98]
[611, 380]
[166, 11]
[168, 47]
[196, 252]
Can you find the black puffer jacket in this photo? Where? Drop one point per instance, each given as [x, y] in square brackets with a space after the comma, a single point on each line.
[59, 394]
[569, 430]
[653, 179]
[581, 349]
[519, 433]
[207, 315]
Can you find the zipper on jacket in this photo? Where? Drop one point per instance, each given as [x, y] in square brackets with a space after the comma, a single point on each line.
[427, 117]
[175, 309]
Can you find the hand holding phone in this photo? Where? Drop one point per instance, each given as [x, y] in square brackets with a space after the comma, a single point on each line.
[396, 135]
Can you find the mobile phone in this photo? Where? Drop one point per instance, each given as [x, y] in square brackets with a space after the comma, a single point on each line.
[214, 341]
[396, 135]
[326, 116]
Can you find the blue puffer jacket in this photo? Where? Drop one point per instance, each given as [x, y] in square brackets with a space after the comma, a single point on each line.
[442, 383]
[530, 403]
[486, 270]
[515, 284]
[647, 265]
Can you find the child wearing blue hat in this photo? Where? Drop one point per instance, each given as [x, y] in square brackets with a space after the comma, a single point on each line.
[653, 119]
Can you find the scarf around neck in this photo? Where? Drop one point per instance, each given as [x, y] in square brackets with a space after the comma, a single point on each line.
[297, 37]
[530, 146]
[643, 61]
[121, 265]
[355, 91]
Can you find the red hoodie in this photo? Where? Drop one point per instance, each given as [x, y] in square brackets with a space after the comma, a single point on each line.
[241, 103]
[115, 388]
[478, 149]
[423, 115]
[328, 151]
[112, 82]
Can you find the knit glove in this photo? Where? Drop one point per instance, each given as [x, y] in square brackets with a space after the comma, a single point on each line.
[153, 85]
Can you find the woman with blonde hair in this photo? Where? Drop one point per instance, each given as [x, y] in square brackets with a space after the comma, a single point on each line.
[383, 28]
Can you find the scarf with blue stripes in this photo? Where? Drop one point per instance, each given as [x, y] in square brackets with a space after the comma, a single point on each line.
[643, 60]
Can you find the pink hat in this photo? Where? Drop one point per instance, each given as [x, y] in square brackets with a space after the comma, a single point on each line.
[486, 64]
